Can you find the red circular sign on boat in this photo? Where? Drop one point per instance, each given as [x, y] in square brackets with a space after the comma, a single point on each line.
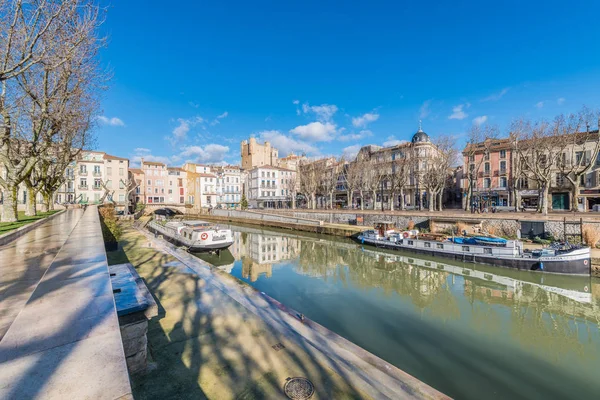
[585, 262]
[405, 234]
[204, 236]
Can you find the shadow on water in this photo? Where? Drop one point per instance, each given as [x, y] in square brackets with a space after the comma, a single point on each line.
[469, 331]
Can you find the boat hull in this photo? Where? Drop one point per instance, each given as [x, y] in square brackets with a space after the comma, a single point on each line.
[573, 265]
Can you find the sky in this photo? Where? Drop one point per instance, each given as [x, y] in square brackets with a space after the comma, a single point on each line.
[191, 79]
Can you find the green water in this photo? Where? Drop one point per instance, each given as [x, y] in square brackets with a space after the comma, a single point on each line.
[472, 332]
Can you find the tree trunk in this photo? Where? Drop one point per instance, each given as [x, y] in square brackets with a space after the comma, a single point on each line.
[362, 200]
[545, 199]
[349, 198]
[9, 207]
[293, 201]
[331, 200]
[402, 205]
[375, 198]
[46, 201]
[392, 200]
[575, 193]
[430, 198]
[313, 199]
[30, 210]
[440, 197]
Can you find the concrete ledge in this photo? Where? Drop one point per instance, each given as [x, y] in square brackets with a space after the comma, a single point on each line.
[17, 233]
[66, 342]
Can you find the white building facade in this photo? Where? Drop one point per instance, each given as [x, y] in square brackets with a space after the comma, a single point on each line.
[270, 187]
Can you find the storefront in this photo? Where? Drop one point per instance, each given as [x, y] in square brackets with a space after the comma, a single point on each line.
[590, 198]
[530, 198]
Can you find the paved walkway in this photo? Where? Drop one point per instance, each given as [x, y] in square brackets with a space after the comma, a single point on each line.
[24, 261]
[218, 338]
[63, 339]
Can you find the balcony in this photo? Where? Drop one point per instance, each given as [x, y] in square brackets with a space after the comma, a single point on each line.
[503, 171]
[96, 187]
[486, 173]
[82, 187]
[97, 174]
[83, 173]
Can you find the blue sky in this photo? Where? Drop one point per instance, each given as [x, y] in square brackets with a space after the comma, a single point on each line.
[193, 78]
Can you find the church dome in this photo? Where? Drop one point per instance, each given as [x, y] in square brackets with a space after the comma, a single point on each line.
[420, 137]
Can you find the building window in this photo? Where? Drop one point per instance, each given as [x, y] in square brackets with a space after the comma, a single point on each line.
[121, 184]
[487, 183]
[120, 171]
[486, 156]
[427, 244]
[502, 153]
[149, 182]
[439, 245]
[487, 250]
[503, 182]
[486, 168]
[465, 248]
[502, 167]
[108, 170]
[121, 198]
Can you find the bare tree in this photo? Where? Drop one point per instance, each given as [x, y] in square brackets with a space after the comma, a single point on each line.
[130, 184]
[581, 148]
[309, 182]
[293, 186]
[374, 173]
[435, 176]
[398, 178]
[352, 175]
[48, 71]
[329, 180]
[540, 149]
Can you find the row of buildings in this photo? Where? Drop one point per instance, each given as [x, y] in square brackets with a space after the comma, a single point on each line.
[490, 175]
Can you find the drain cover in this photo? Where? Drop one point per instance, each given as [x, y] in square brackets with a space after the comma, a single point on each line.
[298, 388]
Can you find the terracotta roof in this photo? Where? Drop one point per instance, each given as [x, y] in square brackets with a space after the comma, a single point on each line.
[208, 175]
[176, 169]
[109, 157]
[136, 170]
[153, 163]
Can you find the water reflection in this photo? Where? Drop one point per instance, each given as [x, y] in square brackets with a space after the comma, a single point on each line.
[472, 332]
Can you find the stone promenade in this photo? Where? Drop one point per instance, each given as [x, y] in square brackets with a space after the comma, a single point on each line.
[60, 335]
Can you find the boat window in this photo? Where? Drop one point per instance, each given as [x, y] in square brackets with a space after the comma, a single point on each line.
[465, 248]
[410, 242]
[440, 245]
[427, 244]
[487, 250]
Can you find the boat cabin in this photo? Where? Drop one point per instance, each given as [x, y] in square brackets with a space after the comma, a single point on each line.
[384, 227]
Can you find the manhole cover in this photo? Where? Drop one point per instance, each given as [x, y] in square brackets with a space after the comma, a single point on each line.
[298, 388]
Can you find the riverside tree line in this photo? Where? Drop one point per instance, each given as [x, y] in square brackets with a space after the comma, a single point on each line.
[50, 81]
[542, 152]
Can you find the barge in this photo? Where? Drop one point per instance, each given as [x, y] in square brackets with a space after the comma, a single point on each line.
[560, 258]
[196, 236]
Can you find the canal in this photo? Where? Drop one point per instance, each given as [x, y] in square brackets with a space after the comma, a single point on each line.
[472, 332]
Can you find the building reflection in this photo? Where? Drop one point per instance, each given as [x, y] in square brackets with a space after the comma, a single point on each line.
[258, 252]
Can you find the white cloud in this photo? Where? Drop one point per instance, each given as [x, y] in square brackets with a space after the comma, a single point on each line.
[365, 119]
[195, 105]
[560, 101]
[147, 155]
[539, 104]
[425, 110]
[219, 117]
[315, 131]
[458, 111]
[286, 144]
[114, 121]
[180, 132]
[496, 96]
[355, 136]
[350, 152]
[296, 102]
[211, 153]
[324, 112]
[480, 120]
[392, 141]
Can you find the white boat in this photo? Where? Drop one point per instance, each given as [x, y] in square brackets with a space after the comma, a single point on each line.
[197, 235]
